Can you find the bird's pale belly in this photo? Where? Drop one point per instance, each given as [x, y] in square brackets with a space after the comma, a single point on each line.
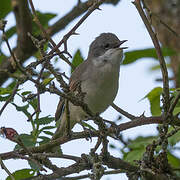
[100, 95]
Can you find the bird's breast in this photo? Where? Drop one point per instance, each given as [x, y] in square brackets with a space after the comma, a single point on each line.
[101, 89]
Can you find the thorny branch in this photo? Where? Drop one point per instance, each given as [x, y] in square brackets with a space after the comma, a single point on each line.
[85, 134]
[25, 48]
[45, 34]
[168, 107]
[94, 6]
[121, 111]
[155, 41]
[10, 98]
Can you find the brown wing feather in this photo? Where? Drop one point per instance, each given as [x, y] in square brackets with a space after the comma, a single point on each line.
[59, 109]
[76, 77]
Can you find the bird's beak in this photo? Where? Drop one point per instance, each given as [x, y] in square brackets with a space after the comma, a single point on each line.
[121, 42]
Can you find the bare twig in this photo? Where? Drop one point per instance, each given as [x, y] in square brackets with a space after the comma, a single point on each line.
[155, 41]
[14, 57]
[139, 122]
[6, 169]
[31, 157]
[163, 130]
[58, 77]
[173, 132]
[159, 141]
[58, 155]
[24, 24]
[45, 34]
[73, 30]
[174, 103]
[88, 175]
[126, 114]
[93, 150]
[80, 135]
[16, 60]
[9, 47]
[10, 98]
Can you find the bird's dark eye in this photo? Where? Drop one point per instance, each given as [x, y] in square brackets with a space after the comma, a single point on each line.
[106, 46]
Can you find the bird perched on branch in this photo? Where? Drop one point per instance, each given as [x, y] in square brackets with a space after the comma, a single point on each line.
[98, 77]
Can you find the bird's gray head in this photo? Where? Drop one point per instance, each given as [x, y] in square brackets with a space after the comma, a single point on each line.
[103, 43]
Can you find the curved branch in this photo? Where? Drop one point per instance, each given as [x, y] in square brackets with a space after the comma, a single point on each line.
[111, 162]
[93, 7]
[121, 111]
[117, 163]
[65, 20]
[49, 145]
[80, 135]
[75, 168]
[162, 62]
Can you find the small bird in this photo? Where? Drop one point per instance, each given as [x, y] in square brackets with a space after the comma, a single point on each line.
[99, 80]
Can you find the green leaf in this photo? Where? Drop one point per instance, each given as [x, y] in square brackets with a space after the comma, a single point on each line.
[173, 160]
[44, 120]
[4, 98]
[77, 59]
[23, 109]
[44, 18]
[174, 94]
[135, 154]
[176, 111]
[2, 56]
[157, 67]
[45, 128]
[4, 91]
[48, 133]
[44, 140]
[10, 32]
[154, 99]
[112, 146]
[25, 93]
[34, 103]
[5, 8]
[141, 142]
[87, 126]
[137, 148]
[135, 55]
[38, 55]
[7, 91]
[27, 140]
[173, 140]
[21, 174]
[33, 166]
[47, 81]
[12, 84]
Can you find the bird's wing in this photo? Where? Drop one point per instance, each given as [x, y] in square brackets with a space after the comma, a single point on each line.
[76, 77]
[59, 109]
[79, 75]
